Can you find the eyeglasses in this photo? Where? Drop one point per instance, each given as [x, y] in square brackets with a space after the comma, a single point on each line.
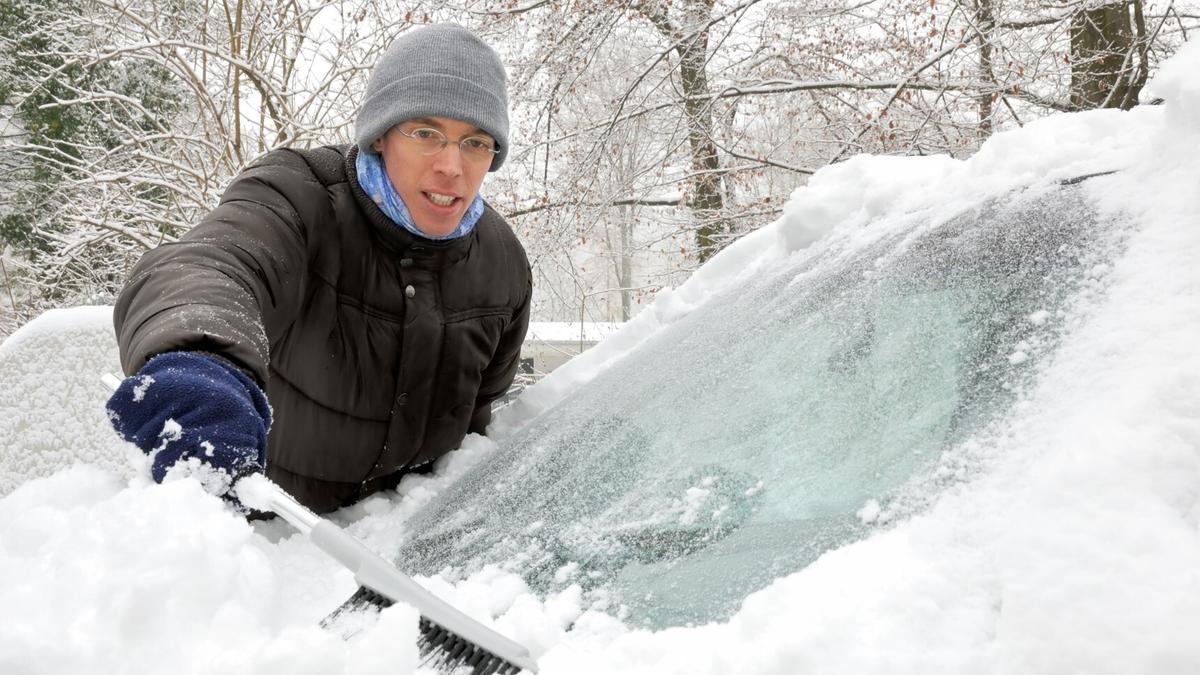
[431, 141]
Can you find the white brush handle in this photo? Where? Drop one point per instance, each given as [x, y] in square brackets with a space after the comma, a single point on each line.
[110, 382]
[285, 506]
[379, 575]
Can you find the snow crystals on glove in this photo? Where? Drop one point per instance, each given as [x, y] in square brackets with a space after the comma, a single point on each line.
[139, 392]
[215, 481]
[171, 431]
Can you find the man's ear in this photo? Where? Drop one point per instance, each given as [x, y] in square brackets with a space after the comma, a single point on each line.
[377, 146]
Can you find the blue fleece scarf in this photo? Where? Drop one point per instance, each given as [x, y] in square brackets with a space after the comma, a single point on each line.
[375, 182]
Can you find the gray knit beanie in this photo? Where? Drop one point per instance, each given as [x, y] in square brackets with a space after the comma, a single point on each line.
[441, 70]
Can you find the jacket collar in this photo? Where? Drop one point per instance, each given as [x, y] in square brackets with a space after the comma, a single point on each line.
[425, 253]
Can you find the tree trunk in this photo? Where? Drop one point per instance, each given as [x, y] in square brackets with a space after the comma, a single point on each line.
[625, 262]
[985, 22]
[1106, 69]
[689, 38]
[707, 201]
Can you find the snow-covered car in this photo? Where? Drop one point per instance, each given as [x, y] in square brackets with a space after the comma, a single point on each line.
[942, 416]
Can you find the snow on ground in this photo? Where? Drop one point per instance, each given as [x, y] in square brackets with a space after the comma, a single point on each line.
[1077, 550]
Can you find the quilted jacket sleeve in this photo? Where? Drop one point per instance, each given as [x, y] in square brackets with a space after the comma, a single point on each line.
[216, 288]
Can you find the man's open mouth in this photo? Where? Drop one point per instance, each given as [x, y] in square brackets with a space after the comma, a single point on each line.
[440, 199]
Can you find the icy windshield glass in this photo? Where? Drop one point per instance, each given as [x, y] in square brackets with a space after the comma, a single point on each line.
[744, 440]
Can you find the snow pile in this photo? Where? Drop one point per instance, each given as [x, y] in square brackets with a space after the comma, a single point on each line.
[106, 577]
[1076, 551]
[51, 397]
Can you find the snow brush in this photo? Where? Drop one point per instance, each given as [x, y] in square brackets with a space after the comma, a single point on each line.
[449, 640]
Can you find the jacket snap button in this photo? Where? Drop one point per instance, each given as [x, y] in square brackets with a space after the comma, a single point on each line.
[410, 292]
[402, 399]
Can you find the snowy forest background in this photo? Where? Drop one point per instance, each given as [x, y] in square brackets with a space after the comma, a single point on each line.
[647, 134]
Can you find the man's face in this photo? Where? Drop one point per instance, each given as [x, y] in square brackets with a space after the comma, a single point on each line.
[437, 188]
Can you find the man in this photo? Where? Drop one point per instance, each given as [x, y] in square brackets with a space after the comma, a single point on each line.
[367, 293]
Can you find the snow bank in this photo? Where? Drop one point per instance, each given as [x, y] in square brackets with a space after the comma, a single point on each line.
[105, 577]
[51, 400]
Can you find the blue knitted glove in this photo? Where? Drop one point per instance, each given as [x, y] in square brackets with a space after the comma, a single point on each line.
[197, 410]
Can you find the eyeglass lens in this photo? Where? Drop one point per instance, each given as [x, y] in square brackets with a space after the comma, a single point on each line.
[431, 141]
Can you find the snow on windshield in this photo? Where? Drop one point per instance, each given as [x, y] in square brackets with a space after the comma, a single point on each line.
[740, 443]
[1076, 549]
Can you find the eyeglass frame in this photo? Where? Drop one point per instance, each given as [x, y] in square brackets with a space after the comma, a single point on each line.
[488, 144]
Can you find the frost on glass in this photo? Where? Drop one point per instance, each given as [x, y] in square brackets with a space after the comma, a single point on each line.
[738, 445]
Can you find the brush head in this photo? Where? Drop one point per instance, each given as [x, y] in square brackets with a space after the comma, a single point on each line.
[448, 653]
[444, 651]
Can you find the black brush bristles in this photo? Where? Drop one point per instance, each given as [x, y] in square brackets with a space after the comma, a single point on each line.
[363, 600]
[446, 652]
[450, 653]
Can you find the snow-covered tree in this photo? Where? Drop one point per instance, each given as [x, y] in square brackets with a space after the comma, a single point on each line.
[130, 116]
[647, 134]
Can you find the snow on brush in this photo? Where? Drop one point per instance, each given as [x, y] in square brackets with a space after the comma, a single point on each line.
[1076, 550]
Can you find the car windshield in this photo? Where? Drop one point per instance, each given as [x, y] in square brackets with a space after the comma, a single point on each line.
[762, 430]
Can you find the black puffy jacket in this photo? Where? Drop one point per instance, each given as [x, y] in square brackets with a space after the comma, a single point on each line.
[378, 349]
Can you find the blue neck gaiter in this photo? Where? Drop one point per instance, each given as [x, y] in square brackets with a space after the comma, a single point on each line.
[374, 181]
